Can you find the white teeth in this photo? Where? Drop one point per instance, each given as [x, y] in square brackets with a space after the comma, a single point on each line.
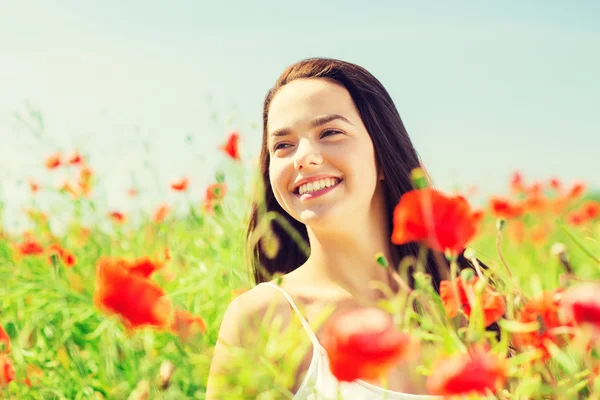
[317, 185]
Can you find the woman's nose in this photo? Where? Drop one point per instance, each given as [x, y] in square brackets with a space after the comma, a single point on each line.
[307, 155]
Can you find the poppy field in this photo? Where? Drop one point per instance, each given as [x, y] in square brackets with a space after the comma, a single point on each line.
[116, 306]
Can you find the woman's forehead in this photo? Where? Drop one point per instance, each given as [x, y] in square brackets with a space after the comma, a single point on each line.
[300, 101]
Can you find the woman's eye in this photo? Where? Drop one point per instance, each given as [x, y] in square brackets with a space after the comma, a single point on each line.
[329, 132]
[279, 146]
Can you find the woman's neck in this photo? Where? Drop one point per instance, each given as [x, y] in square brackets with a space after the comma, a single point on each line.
[349, 261]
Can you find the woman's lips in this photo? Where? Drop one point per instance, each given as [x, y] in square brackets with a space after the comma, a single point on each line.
[317, 193]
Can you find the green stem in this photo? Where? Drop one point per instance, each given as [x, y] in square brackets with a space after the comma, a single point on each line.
[578, 243]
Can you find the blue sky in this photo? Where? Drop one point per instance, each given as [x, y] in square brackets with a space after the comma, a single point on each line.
[483, 87]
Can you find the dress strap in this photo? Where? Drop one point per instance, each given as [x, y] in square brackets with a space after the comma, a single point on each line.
[305, 324]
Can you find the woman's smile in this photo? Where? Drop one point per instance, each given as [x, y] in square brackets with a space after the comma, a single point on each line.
[312, 190]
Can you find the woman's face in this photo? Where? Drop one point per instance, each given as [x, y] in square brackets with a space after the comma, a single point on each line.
[314, 132]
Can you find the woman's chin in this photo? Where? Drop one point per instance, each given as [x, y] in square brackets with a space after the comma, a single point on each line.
[319, 217]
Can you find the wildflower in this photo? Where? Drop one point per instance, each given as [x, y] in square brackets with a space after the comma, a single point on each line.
[591, 210]
[132, 192]
[575, 218]
[580, 304]
[503, 208]
[231, 146]
[180, 185]
[161, 213]
[53, 161]
[187, 325]
[137, 300]
[443, 223]
[4, 341]
[476, 372]
[209, 207]
[492, 303]
[85, 181]
[516, 182]
[56, 250]
[143, 267]
[7, 370]
[576, 191]
[75, 158]
[555, 184]
[30, 247]
[534, 190]
[544, 310]
[117, 216]
[536, 203]
[216, 191]
[33, 186]
[558, 204]
[362, 343]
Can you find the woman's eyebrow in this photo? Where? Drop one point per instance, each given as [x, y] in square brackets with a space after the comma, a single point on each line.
[314, 123]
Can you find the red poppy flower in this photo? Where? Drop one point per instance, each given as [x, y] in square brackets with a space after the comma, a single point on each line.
[575, 218]
[56, 250]
[53, 161]
[30, 247]
[516, 182]
[493, 304]
[161, 213]
[558, 205]
[85, 174]
[117, 216]
[591, 209]
[7, 370]
[555, 184]
[209, 207]
[535, 204]
[137, 300]
[503, 208]
[442, 222]
[4, 340]
[180, 185]
[187, 325]
[468, 374]
[362, 343]
[581, 305]
[231, 146]
[85, 181]
[216, 191]
[143, 267]
[576, 190]
[33, 186]
[534, 190]
[544, 309]
[75, 158]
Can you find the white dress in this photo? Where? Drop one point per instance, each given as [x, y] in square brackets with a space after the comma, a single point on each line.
[319, 382]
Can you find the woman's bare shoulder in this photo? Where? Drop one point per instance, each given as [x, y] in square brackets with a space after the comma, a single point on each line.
[250, 308]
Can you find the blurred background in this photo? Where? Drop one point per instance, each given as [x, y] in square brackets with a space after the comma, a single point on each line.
[147, 91]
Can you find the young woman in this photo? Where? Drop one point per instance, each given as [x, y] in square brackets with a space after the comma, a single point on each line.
[335, 160]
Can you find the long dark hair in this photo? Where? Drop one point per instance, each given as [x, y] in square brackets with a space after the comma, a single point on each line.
[395, 155]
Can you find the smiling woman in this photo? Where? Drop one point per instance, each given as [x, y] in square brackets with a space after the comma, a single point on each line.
[335, 160]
